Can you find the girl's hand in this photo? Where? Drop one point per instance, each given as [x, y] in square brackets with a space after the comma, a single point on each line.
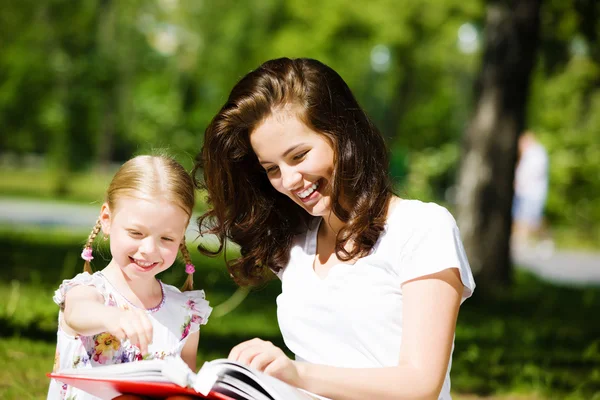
[132, 324]
[268, 358]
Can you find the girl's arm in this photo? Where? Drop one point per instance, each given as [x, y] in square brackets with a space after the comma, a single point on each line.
[86, 314]
[430, 310]
[84, 311]
[190, 350]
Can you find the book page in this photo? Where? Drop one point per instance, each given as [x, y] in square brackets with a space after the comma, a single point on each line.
[231, 391]
[125, 371]
[272, 387]
[248, 390]
[172, 369]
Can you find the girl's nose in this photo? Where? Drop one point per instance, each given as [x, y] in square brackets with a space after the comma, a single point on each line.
[148, 245]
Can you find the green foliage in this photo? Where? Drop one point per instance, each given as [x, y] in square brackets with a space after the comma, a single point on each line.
[572, 137]
[99, 81]
[433, 171]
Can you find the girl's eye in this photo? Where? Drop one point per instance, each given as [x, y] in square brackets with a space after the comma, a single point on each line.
[134, 233]
[167, 239]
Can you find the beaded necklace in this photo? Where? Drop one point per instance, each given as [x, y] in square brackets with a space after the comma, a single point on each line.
[152, 309]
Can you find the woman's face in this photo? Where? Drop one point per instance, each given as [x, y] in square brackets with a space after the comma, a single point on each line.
[297, 160]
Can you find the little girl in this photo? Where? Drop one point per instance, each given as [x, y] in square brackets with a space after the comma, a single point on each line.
[124, 313]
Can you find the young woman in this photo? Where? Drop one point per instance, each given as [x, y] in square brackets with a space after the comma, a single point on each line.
[296, 175]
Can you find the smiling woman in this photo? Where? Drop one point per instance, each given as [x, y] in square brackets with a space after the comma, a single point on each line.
[298, 161]
[297, 176]
[288, 126]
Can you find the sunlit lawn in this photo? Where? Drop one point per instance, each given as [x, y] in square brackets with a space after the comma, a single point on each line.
[41, 183]
[82, 187]
[538, 342]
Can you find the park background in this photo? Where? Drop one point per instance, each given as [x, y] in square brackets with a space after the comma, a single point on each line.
[86, 85]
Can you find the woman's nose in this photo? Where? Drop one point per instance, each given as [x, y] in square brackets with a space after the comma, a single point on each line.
[291, 179]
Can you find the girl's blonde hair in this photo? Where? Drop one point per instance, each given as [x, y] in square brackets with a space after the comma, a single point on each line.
[151, 177]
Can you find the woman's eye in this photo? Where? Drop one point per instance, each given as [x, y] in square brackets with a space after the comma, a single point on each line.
[271, 170]
[167, 239]
[134, 233]
[300, 156]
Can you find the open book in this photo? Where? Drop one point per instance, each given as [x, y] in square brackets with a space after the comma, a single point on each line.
[219, 379]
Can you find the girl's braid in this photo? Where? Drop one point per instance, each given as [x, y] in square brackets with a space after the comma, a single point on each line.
[189, 267]
[87, 249]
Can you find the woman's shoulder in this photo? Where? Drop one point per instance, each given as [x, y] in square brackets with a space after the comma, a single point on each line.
[416, 214]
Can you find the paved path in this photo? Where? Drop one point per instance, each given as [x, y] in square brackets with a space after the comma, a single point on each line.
[564, 266]
[19, 213]
[567, 267]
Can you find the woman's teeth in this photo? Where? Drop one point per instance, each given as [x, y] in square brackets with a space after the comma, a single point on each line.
[309, 191]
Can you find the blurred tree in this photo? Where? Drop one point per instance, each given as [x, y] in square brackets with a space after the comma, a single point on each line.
[490, 147]
[96, 82]
[565, 112]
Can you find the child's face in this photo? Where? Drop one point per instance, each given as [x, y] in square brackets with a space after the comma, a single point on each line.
[298, 161]
[144, 235]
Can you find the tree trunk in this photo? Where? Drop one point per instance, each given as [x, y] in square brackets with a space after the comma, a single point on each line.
[485, 189]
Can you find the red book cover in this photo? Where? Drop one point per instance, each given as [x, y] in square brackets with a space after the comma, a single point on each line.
[111, 388]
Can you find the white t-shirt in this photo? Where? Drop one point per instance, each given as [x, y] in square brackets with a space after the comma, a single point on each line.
[353, 316]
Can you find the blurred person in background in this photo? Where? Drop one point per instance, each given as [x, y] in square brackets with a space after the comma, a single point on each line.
[531, 190]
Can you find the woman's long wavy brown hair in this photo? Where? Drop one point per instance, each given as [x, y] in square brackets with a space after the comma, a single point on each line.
[247, 210]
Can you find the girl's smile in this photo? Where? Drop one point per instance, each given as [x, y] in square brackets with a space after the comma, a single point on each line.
[145, 234]
[144, 265]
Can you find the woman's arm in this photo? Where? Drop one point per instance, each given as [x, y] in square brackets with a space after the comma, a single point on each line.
[430, 310]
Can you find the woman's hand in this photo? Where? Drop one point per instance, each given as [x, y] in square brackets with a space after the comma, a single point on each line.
[268, 358]
[132, 324]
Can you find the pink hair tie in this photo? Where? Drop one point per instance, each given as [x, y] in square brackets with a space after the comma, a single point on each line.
[189, 268]
[86, 254]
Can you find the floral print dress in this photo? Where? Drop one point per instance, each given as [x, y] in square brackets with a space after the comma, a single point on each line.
[178, 315]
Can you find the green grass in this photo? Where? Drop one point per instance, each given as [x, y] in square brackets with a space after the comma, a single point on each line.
[25, 364]
[537, 341]
[88, 187]
[84, 187]
[536, 338]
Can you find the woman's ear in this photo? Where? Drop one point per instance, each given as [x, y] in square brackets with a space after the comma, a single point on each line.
[105, 219]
